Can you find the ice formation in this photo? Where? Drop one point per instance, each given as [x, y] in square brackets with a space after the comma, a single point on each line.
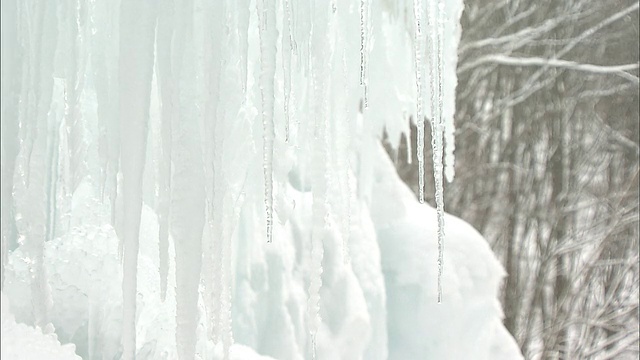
[151, 148]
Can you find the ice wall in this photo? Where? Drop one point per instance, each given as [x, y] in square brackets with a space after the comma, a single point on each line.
[217, 166]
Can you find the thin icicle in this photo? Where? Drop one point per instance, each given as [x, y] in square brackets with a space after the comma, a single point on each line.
[233, 207]
[313, 347]
[317, 253]
[225, 293]
[432, 49]
[362, 40]
[93, 326]
[268, 36]
[320, 159]
[166, 86]
[74, 84]
[317, 250]
[409, 149]
[243, 11]
[343, 149]
[11, 73]
[287, 50]
[437, 144]
[417, 13]
[364, 48]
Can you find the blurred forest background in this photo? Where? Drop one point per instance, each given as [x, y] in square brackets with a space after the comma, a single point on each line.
[547, 167]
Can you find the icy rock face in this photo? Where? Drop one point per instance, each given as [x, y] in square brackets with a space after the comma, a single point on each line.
[23, 342]
[466, 325]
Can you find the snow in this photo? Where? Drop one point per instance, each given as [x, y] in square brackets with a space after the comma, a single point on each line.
[466, 325]
[23, 342]
[239, 137]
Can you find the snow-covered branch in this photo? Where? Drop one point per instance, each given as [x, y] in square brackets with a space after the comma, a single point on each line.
[619, 70]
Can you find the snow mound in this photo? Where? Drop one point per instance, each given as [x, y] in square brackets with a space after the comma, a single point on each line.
[23, 342]
[466, 325]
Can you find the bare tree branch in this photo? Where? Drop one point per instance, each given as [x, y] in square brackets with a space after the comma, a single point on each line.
[620, 70]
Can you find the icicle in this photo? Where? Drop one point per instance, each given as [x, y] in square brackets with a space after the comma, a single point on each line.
[213, 270]
[268, 36]
[225, 293]
[219, 20]
[417, 12]
[437, 142]
[11, 75]
[243, 11]
[343, 151]
[92, 330]
[167, 96]
[104, 63]
[234, 207]
[212, 275]
[230, 216]
[364, 48]
[287, 50]
[321, 58]
[73, 89]
[317, 253]
[136, 68]
[187, 213]
[39, 43]
[313, 347]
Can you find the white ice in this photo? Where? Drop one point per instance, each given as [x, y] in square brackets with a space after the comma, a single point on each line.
[353, 261]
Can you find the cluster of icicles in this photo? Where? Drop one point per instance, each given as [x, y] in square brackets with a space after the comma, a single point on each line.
[178, 38]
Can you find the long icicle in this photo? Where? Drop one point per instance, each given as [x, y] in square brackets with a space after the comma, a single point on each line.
[135, 69]
[364, 52]
[320, 60]
[287, 50]
[268, 37]
[163, 67]
[417, 12]
[438, 146]
[344, 146]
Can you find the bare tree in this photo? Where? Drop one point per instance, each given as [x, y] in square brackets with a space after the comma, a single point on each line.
[547, 167]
